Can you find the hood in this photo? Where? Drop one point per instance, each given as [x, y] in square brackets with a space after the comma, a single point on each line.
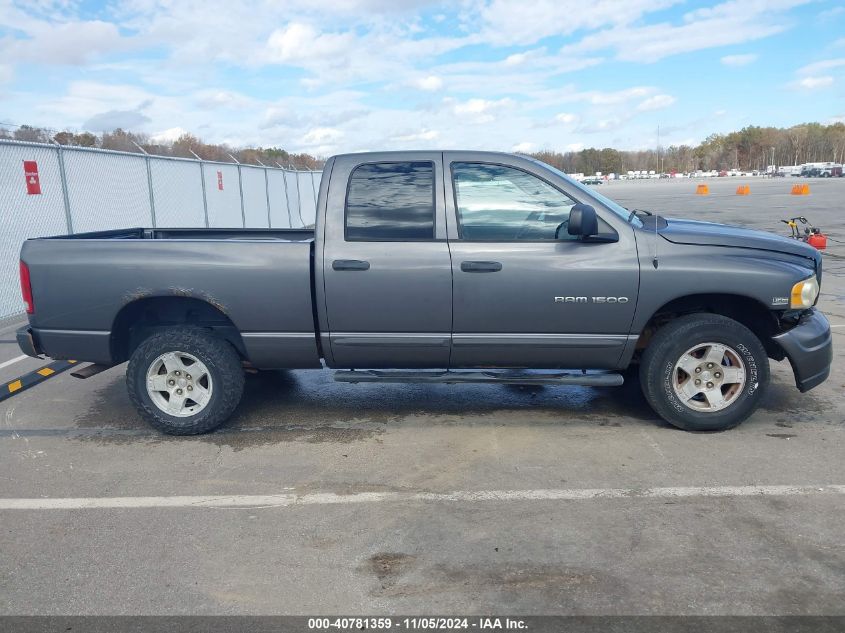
[711, 233]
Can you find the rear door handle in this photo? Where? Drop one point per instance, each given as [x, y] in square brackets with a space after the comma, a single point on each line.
[481, 267]
[350, 264]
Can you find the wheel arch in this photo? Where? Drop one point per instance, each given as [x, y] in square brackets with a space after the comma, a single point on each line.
[137, 319]
[746, 310]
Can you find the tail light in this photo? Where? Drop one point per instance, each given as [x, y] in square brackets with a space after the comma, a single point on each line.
[26, 289]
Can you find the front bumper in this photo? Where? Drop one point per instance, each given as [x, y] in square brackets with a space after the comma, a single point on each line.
[27, 342]
[809, 348]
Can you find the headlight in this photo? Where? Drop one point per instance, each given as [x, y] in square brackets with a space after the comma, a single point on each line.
[804, 294]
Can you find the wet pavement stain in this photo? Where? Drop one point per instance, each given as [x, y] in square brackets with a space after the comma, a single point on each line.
[308, 406]
[240, 439]
[782, 436]
[555, 583]
[388, 567]
[782, 397]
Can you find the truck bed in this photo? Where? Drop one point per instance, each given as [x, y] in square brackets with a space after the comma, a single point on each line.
[259, 279]
[139, 233]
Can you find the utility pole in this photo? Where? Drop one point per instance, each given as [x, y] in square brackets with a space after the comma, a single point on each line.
[658, 150]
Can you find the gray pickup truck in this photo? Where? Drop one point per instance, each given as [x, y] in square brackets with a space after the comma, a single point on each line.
[444, 267]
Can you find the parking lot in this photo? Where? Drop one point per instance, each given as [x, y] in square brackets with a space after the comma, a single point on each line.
[321, 497]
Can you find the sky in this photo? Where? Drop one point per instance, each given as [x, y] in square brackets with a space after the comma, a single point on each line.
[330, 76]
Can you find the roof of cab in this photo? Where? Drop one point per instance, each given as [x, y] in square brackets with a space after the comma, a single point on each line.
[420, 152]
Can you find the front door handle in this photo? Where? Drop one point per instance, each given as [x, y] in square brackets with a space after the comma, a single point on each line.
[350, 264]
[481, 267]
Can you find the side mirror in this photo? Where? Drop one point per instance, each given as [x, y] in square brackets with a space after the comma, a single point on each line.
[583, 221]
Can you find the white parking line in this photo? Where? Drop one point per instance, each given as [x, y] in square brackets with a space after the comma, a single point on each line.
[13, 361]
[465, 496]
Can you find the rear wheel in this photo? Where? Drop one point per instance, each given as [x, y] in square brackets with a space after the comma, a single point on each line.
[185, 380]
[704, 372]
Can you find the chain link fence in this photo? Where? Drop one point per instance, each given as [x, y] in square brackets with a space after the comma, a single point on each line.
[55, 189]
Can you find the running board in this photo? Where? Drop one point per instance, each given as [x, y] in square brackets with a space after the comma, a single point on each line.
[91, 370]
[584, 379]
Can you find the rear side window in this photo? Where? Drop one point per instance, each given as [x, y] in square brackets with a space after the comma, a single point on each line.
[390, 202]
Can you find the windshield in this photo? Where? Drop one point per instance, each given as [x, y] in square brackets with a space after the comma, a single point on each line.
[617, 208]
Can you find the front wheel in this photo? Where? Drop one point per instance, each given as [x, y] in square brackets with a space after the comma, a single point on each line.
[185, 380]
[704, 372]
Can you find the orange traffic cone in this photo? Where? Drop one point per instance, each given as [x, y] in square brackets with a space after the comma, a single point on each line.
[702, 190]
[805, 190]
[796, 190]
[743, 190]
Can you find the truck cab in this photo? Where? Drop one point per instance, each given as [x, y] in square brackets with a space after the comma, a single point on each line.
[464, 259]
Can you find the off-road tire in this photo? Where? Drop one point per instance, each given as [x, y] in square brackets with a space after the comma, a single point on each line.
[219, 357]
[668, 345]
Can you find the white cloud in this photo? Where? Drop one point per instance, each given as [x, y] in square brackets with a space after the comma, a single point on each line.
[275, 116]
[222, 99]
[320, 135]
[824, 65]
[812, 83]
[507, 22]
[566, 117]
[320, 141]
[71, 43]
[102, 106]
[430, 83]
[619, 96]
[169, 135]
[739, 60]
[831, 13]
[524, 148]
[574, 147]
[602, 125]
[731, 22]
[302, 43]
[519, 59]
[114, 119]
[479, 110]
[657, 102]
[422, 135]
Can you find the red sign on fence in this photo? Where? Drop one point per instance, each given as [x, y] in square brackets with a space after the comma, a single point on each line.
[30, 171]
[220, 180]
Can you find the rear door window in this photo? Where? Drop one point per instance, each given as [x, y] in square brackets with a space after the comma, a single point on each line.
[390, 202]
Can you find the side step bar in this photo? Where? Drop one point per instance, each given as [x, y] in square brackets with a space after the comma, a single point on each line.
[505, 377]
[91, 370]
